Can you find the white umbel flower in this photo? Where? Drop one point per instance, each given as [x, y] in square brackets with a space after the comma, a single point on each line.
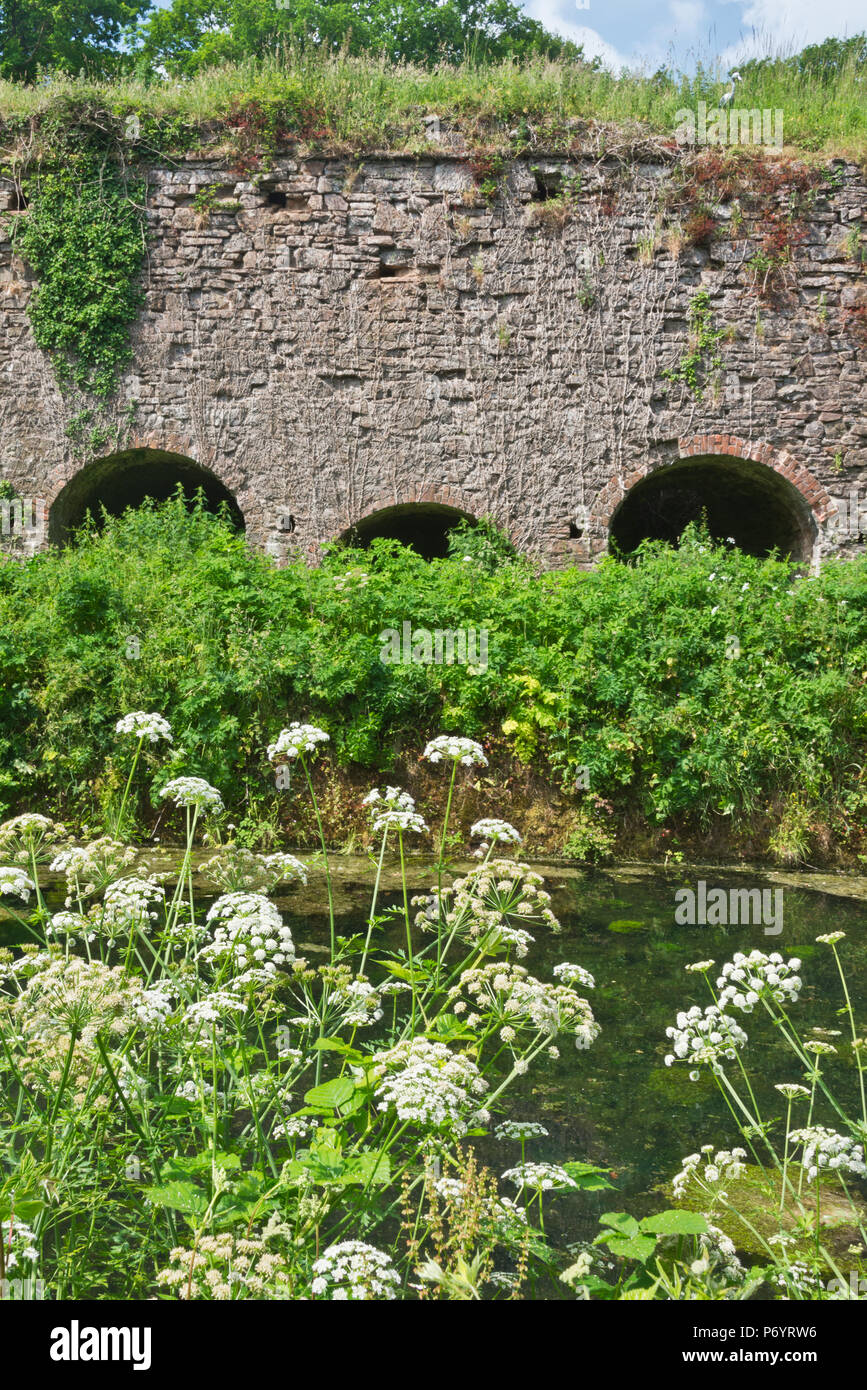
[745, 980]
[248, 930]
[494, 830]
[194, 791]
[353, 1271]
[16, 884]
[541, 1177]
[295, 741]
[827, 1151]
[145, 726]
[707, 1037]
[456, 750]
[429, 1084]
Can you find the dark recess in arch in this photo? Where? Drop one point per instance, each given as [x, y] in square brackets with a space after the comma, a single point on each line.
[424, 526]
[124, 480]
[743, 500]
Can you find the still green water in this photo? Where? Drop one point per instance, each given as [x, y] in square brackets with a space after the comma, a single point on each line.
[617, 1104]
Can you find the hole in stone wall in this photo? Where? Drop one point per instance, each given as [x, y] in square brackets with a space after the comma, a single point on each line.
[125, 480]
[740, 500]
[423, 526]
[575, 531]
[549, 184]
[276, 199]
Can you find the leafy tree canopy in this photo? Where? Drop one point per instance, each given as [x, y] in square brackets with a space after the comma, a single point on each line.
[64, 34]
[193, 34]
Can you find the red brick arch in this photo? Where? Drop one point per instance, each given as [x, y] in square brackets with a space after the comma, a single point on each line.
[432, 494]
[721, 446]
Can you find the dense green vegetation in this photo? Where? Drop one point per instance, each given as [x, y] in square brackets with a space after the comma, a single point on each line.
[624, 680]
[346, 101]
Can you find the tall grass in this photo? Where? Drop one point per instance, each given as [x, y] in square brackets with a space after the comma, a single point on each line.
[367, 102]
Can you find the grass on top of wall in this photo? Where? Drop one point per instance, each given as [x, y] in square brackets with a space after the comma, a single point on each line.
[342, 103]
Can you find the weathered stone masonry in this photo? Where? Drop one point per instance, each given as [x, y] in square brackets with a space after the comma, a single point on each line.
[342, 337]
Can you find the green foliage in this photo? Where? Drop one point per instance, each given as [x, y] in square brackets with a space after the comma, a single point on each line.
[84, 237]
[702, 357]
[193, 34]
[620, 677]
[66, 36]
[242, 85]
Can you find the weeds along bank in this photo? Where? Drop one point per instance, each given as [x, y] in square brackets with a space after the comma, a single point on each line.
[699, 699]
[192, 1110]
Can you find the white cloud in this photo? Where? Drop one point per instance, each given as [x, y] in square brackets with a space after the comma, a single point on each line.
[771, 26]
[687, 15]
[557, 16]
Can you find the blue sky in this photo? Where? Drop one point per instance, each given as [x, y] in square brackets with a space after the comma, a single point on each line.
[648, 33]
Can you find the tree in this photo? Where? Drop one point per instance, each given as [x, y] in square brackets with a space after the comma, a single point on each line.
[64, 34]
[193, 34]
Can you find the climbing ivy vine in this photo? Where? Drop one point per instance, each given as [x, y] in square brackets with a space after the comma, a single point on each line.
[84, 236]
[703, 357]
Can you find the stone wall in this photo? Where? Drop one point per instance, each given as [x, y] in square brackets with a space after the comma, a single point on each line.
[338, 337]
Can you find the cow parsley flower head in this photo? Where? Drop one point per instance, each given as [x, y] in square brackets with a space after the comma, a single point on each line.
[392, 799]
[745, 980]
[825, 1150]
[574, 975]
[29, 836]
[132, 900]
[495, 830]
[194, 791]
[14, 883]
[541, 1177]
[249, 931]
[220, 1004]
[427, 1083]
[831, 938]
[295, 741]
[520, 1129]
[399, 820]
[791, 1090]
[508, 994]
[457, 750]
[704, 1037]
[353, 1271]
[725, 1166]
[502, 936]
[145, 726]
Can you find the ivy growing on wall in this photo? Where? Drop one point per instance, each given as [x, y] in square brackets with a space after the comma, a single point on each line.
[84, 236]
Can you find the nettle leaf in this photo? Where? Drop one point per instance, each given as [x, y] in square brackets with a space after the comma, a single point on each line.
[337, 1045]
[675, 1223]
[179, 1196]
[587, 1177]
[621, 1222]
[632, 1247]
[331, 1095]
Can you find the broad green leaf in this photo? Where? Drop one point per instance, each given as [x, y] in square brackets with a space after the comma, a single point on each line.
[587, 1177]
[621, 1222]
[675, 1223]
[180, 1196]
[332, 1094]
[632, 1247]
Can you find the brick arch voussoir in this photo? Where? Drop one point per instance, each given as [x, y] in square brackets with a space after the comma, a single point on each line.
[728, 446]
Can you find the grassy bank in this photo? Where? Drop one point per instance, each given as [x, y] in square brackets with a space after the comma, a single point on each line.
[697, 698]
[338, 102]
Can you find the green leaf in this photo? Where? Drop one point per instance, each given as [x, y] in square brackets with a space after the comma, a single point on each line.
[621, 1222]
[332, 1094]
[675, 1223]
[587, 1177]
[632, 1247]
[337, 1045]
[180, 1196]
